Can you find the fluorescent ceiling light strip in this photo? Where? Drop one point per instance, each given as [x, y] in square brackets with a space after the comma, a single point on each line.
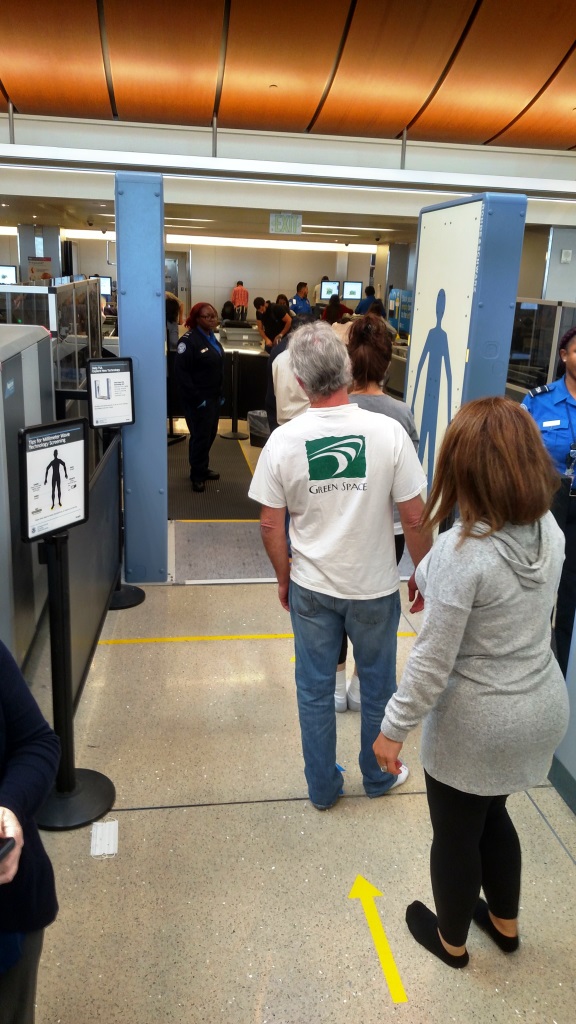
[265, 243]
[8, 231]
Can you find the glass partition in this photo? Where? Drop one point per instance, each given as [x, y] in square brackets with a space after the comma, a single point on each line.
[533, 342]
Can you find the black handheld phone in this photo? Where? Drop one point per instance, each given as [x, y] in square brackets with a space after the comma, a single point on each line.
[6, 845]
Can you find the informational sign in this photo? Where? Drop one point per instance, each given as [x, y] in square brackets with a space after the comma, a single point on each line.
[110, 392]
[39, 269]
[285, 223]
[53, 477]
[400, 309]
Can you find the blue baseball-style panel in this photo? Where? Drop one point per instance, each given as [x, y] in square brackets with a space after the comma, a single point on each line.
[492, 316]
[142, 334]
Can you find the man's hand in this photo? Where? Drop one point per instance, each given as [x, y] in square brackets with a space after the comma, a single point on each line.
[415, 595]
[283, 589]
[10, 827]
[386, 752]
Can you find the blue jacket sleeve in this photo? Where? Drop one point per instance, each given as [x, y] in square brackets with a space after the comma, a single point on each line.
[29, 748]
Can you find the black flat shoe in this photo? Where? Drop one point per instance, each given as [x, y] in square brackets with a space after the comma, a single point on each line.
[198, 485]
[211, 475]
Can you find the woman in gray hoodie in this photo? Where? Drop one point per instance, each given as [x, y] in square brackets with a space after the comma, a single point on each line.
[481, 674]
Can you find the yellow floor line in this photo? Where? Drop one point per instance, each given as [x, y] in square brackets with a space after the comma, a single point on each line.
[197, 639]
[246, 460]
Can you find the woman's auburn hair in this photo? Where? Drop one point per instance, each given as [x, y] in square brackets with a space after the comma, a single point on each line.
[192, 318]
[370, 350]
[494, 466]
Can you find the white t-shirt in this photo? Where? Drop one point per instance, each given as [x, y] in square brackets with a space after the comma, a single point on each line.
[338, 471]
[291, 400]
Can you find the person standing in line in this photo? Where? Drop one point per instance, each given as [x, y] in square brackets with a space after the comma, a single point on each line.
[370, 351]
[335, 310]
[553, 407]
[240, 299]
[29, 756]
[199, 370]
[337, 469]
[299, 304]
[369, 297]
[481, 674]
[319, 302]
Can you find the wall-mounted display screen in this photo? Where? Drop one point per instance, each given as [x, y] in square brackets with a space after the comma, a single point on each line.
[53, 477]
[8, 274]
[352, 290]
[328, 288]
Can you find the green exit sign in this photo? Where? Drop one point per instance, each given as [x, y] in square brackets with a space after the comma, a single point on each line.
[285, 223]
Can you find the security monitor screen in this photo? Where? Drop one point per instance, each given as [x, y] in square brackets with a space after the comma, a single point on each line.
[106, 286]
[352, 290]
[328, 288]
[8, 275]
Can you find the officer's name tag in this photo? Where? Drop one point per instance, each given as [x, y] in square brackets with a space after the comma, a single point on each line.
[551, 423]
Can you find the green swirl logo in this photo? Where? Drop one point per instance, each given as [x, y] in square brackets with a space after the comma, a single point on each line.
[333, 458]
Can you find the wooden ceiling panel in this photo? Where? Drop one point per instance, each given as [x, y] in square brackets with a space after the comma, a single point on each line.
[277, 66]
[393, 58]
[550, 122]
[510, 52]
[164, 60]
[51, 59]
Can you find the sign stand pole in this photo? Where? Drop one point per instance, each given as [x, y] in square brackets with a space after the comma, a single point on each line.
[80, 795]
[235, 434]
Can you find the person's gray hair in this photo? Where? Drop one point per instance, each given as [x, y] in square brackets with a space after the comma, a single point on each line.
[319, 359]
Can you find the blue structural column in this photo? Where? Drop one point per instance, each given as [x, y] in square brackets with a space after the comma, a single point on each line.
[142, 334]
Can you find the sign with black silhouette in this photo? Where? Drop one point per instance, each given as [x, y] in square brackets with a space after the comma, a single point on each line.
[110, 392]
[468, 261]
[53, 477]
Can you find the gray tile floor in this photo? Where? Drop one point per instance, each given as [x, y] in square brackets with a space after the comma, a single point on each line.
[228, 900]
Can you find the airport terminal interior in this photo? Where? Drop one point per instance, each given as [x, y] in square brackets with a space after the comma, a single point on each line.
[299, 149]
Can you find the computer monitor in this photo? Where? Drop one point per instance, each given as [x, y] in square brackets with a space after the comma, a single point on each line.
[328, 288]
[106, 286]
[8, 274]
[352, 290]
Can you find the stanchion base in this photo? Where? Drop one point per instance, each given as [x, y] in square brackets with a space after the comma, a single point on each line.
[175, 438]
[92, 797]
[126, 597]
[234, 435]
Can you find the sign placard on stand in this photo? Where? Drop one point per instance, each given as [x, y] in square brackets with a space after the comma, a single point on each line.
[110, 387]
[53, 478]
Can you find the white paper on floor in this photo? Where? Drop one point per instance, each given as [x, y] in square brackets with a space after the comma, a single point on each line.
[104, 839]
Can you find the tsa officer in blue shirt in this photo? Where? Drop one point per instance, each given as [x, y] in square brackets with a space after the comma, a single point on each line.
[199, 371]
[553, 407]
[365, 303]
[299, 305]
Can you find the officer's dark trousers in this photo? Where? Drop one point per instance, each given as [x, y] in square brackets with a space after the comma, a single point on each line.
[202, 425]
[564, 511]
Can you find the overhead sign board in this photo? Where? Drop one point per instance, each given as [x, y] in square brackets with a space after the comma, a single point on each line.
[285, 223]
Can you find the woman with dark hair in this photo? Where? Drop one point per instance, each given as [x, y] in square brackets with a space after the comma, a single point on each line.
[553, 408]
[335, 310]
[370, 351]
[199, 369]
[481, 674]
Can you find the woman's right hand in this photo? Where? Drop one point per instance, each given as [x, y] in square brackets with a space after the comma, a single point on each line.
[10, 827]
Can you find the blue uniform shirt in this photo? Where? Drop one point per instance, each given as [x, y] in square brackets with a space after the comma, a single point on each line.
[299, 305]
[554, 412]
[364, 304]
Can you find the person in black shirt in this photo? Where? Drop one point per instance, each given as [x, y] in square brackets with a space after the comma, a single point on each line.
[199, 369]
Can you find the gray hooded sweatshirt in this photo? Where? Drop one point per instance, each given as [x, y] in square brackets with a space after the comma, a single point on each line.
[481, 673]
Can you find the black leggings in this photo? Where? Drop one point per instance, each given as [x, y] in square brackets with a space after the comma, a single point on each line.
[475, 846]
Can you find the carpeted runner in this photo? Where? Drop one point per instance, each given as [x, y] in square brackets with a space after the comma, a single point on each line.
[226, 498]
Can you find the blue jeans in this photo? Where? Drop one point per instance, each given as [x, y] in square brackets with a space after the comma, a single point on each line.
[318, 622]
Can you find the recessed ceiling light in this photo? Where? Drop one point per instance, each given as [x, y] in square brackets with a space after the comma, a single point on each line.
[5, 204]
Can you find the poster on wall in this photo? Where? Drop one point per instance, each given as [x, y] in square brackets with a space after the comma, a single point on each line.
[53, 477]
[39, 269]
[110, 392]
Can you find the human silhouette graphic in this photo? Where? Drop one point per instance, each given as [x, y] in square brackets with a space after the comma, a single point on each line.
[54, 465]
[437, 352]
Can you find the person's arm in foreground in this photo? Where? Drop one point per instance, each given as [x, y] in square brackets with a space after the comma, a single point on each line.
[418, 541]
[273, 530]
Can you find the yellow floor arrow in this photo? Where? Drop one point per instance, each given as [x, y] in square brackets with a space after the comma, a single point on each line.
[367, 893]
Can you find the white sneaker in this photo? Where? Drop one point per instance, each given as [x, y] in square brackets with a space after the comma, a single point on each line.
[353, 700]
[401, 778]
[340, 703]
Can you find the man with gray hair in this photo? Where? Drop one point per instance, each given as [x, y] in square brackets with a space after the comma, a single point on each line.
[337, 469]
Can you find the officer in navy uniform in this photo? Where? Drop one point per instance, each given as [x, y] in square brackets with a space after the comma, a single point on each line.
[553, 407]
[199, 371]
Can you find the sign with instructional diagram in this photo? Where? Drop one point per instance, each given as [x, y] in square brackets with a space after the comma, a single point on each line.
[53, 477]
[110, 392]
